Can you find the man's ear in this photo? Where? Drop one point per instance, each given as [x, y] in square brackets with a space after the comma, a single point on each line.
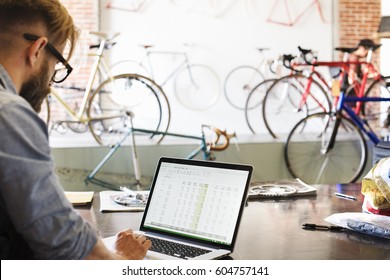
[35, 51]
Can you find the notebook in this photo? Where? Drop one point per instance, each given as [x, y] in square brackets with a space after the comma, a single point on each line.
[195, 203]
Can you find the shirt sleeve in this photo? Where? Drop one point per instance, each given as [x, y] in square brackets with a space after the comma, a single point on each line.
[31, 192]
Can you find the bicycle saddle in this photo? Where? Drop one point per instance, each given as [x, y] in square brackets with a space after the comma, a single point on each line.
[345, 50]
[147, 46]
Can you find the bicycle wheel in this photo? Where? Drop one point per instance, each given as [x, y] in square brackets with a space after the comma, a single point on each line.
[253, 106]
[305, 155]
[197, 87]
[239, 83]
[130, 67]
[123, 96]
[284, 103]
[377, 114]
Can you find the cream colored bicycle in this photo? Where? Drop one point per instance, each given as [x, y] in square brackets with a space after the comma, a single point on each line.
[107, 101]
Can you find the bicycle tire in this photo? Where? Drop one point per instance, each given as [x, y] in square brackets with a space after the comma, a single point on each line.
[304, 156]
[197, 87]
[377, 114]
[253, 106]
[239, 83]
[135, 94]
[281, 104]
[130, 67]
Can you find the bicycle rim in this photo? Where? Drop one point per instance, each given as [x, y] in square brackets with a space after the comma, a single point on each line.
[377, 114]
[130, 67]
[253, 106]
[283, 105]
[122, 96]
[239, 83]
[305, 147]
[197, 87]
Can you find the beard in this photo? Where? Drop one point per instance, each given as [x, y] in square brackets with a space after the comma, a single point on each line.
[37, 88]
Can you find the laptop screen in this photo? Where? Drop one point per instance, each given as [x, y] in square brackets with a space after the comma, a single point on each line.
[201, 200]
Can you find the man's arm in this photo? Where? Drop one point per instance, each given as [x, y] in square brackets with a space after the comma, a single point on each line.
[128, 246]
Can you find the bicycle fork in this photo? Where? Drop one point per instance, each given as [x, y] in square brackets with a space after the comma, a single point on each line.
[328, 145]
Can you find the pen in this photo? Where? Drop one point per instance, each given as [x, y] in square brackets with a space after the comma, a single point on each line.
[349, 197]
[322, 227]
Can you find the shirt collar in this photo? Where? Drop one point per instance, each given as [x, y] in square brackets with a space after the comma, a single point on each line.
[5, 81]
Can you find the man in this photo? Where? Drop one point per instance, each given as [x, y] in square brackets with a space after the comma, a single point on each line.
[36, 220]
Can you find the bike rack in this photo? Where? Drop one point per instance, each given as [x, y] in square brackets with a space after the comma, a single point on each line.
[137, 170]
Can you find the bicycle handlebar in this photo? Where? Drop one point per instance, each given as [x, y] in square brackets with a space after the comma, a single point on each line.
[216, 144]
[304, 53]
[287, 62]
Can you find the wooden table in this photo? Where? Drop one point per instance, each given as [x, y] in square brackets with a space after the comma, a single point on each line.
[272, 229]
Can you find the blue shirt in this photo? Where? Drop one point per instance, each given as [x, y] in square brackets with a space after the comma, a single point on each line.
[36, 219]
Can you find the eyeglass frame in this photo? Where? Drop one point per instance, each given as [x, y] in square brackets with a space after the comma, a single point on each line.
[55, 53]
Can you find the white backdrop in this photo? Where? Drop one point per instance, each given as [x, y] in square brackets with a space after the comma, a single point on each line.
[222, 36]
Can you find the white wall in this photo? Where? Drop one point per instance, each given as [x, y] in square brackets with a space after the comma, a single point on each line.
[385, 49]
[222, 42]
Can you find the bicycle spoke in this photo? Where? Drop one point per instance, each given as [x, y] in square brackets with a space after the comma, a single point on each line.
[128, 96]
[239, 83]
[286, 103]
[197, 87]
[311, 156]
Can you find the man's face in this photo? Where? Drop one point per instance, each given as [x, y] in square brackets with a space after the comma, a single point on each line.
[37, 87]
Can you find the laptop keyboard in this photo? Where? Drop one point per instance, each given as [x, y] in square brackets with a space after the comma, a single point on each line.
[175, 249]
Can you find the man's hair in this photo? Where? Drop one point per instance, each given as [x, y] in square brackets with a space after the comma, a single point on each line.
[19, 15]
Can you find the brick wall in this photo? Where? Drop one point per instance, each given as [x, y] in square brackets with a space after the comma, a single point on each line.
[86, 16]
[358, 19]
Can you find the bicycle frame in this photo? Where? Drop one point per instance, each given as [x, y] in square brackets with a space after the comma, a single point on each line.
[203, 148]
[99, 65]
[291, 21]
[185, 62]
[344, 66]
[342, 106]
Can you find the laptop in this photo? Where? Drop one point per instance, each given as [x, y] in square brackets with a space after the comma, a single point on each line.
[194, 208]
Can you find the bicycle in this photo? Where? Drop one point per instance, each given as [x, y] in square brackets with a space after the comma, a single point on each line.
[196, 86]
[287, 88]
[106, 104]
[206, 149]
[241, 80]
[129, 6]
[212, 7]
[295, 96]
[330, 147]
[292, 21]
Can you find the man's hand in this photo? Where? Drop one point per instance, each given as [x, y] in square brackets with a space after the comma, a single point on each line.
[131, 246]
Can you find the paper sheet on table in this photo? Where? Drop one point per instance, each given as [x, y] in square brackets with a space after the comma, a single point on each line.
[79, 198]
[377, 225]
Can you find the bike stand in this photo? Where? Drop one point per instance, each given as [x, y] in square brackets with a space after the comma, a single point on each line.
[91, 176]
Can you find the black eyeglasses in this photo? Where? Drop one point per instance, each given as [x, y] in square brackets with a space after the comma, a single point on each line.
[63, 69]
